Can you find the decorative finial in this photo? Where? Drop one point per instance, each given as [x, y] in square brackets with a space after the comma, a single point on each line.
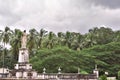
[59, 70]
[95, 66]
[44, 70]
[78, 70]
[106, 73]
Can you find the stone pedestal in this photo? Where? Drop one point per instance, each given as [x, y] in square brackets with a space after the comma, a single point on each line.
[23, 55]
[23, 68]
[95, 71]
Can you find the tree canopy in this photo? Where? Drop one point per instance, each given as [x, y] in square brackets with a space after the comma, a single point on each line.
[69, 50]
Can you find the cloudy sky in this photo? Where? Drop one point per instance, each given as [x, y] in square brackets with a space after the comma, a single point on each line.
[60, 15]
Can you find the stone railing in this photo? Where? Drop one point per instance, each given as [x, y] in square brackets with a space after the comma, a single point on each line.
[67, 76]
[56, 76]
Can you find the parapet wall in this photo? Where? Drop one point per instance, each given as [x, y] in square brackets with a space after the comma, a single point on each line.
[56, 76]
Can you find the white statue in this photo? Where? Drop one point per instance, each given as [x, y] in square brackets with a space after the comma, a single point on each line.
[24, 39]
[23, 53]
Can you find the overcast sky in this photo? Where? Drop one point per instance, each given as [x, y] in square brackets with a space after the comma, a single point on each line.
[60, 15]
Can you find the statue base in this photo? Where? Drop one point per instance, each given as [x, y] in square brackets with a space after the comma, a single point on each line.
[23, 69]
[23, 55]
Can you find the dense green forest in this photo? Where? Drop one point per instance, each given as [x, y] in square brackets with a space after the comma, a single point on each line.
[69, 50]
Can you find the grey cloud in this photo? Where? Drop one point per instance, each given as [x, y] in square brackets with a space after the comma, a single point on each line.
[59, 15]
[113, 4]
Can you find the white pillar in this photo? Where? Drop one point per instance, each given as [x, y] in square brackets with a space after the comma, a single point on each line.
[34, 74]
[95, 71]
[16, 66]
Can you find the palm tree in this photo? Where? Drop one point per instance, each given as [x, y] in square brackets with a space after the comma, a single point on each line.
[15, 43]
[1, 55]
[51, 40]
[40, 36]
[60, 38]
[5, 37]
[90, 38]
[68, 39]
[77, 43]
[32, 40]
[117, 36]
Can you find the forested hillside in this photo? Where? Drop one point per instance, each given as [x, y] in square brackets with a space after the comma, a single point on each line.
[69, 50]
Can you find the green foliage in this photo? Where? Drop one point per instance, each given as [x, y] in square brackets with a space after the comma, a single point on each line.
[83, 72]
[67, 59]
[118, 75]
[107, 57]
[69, 50]
[103, 77]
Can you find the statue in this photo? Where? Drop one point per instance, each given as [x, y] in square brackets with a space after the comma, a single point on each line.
[23, 53]
[24, 39]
